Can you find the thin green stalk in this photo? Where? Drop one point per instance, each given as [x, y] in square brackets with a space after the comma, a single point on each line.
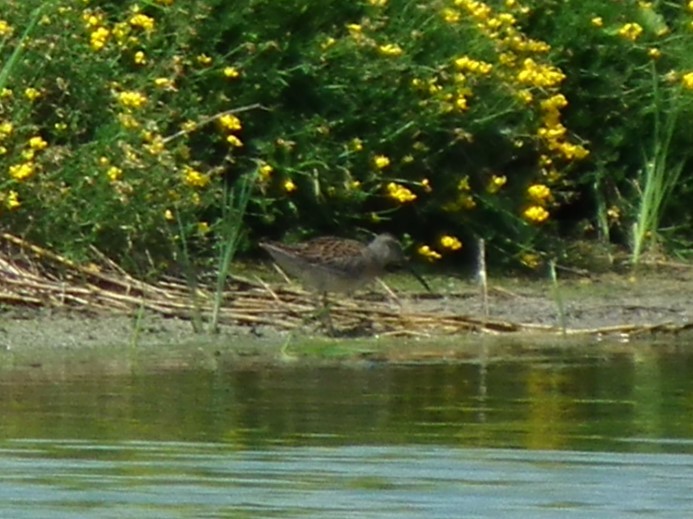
[190, 278]
[16, 54]
[235, 204]
[659, 177]
[601, 211]
[557, 296]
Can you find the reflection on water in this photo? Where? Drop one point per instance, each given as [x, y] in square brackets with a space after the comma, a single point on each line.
[563, 400]
[378, 439]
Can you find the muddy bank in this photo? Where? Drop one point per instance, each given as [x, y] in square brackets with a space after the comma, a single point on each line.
[58, 338]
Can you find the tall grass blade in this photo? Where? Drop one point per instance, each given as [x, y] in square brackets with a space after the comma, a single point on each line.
[557, 296]
[234, 207]
[16, 54]
[190, 278]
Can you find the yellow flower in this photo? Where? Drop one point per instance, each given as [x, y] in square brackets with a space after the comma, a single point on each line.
[5, 29]
[630, 31]
[654, 53]
[114, 173]
[3, 150]
[202, 227]
[168, 215]
[381, 161]
[122, 31]
[356, 144]
[400, 193]
[690, 6]
[530, 260]
[164, 83]
[142, 21]
[428, 253]
[21, 172]
[289, 186]
[230, 122]
[128, 121]
[553, 133]
[597, 21]
[5, 93]
[377, 3]
[234, 141]
[140, 58]
[203, 59]
[555, 102]
[572, 151]
[461, 103]
[450, 242]
[463, 184]
[6, 128]
[329, 41]
[426, 185]
[614, 213]
[194, 178]
[12, 201]
[98, 38]
[687, 81]
[496, 183]
[450, 15]
[354, 28]
[390, 49]
[188, 126]
[464, 201]
[231, 72]
[32, 94]
[37, 143]
[538, 192]
[542, 76]
[467, 64]
[536, 214]
[156, 146]
[131, 99]
[91, 20]
[265, 172]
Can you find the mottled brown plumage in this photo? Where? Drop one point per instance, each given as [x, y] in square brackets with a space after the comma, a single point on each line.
[331, 264]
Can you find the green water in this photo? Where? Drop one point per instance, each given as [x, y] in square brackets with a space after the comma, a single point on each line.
[591, 431]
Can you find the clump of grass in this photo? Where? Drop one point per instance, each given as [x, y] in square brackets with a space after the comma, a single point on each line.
[659, 176]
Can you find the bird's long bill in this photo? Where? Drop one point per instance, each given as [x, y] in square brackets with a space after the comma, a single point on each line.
[418, 277]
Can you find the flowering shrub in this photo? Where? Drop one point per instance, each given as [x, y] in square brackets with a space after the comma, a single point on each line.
[121, 123]
[628, 66]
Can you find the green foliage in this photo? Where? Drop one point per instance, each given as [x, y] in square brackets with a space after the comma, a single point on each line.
[123, 124]
[628, 97]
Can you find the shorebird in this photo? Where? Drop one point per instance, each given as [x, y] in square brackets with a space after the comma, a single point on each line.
[331, 264]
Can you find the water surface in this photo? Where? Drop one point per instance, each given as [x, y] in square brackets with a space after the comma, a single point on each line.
[592, 432]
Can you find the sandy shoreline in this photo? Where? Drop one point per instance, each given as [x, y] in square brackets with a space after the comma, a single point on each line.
[56, 337]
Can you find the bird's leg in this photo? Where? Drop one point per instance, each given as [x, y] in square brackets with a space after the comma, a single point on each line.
[324, 313]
